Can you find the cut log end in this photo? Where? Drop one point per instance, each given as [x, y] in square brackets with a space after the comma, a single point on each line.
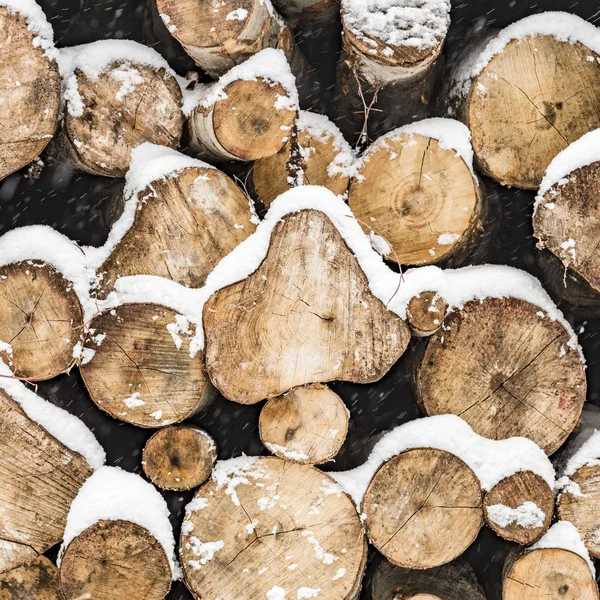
[521, 110]
[423, 508]
[307, 425]
[472, 368]
[41, 320]
[179, 457]
[519, 508]
[549, 573]
[36, 580]
[581, 507]
[426, 313]
[287, 314]
[112, 560]
[115, 119]
[264, 539]
[421, 198]
[143, 369]
[30, 89]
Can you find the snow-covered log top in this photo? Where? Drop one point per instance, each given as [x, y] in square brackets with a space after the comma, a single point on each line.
[112, 494]
[491, 460]
[563, 26]
[65, 427]
[587, 455]
[420, 24]
[581, 153]
[270, 65]
[36, 22]
[451, 135]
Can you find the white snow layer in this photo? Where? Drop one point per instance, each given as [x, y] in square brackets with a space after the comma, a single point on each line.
[528, 515]
[36, 22]
[65, 427]
[269, 64]
[581, 153]
[491, 460]
[417, 23]
[588, 454]
[563, 26]
[564, 535]
[112, 494]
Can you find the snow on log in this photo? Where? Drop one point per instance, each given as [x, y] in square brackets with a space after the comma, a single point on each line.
[566, 219]
[387, 71]
[47, 454]
[507, 369]
[308, 424]
[325, 158]
[425, 313]
[287, 325]
[415, 187]
[29, 84]
[519, 508]
[118, 94]
[248, 533]
[557, 566]
[181, 217]
[454, 581]
[423, 508]
[118, 537]
[528, 93]
[35, 580]
[248, 114]
[180, 457]
[140, 365]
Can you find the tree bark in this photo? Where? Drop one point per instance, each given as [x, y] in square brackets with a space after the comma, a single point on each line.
[143, 370]
[297, 542]
[36, 580]
[39, 478]
[29, 94]
[506, 369]
[179, 457]
[548, 573]
[521, 109]
[454, 581]
[513, 492]
[423, 508]
[41, 318]
[292, 320]
[98, 138]
[114, 560]
[308, 424]
[422, 199]
[179, 214]
[425, 313]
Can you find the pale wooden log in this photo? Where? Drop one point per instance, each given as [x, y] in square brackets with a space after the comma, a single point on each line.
[323, 160]
[422, 199]
[513, 492]
[185, 224]
[143, 370]
[40, 317]
[425, 313]
[423, 508]
[29, 94]
[505, 368]
[286, 526]
[36, 580]
[551, 573]
[454, 581]
[39, 478]
[293, 328]
[528, 104]
[308, 424]
[112, 560]
[112, 123]
[180, 457]
[243, 123]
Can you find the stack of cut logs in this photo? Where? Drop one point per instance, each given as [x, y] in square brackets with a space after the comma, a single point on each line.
[194, 296]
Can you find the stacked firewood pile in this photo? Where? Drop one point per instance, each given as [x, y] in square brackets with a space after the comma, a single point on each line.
[194, 296]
